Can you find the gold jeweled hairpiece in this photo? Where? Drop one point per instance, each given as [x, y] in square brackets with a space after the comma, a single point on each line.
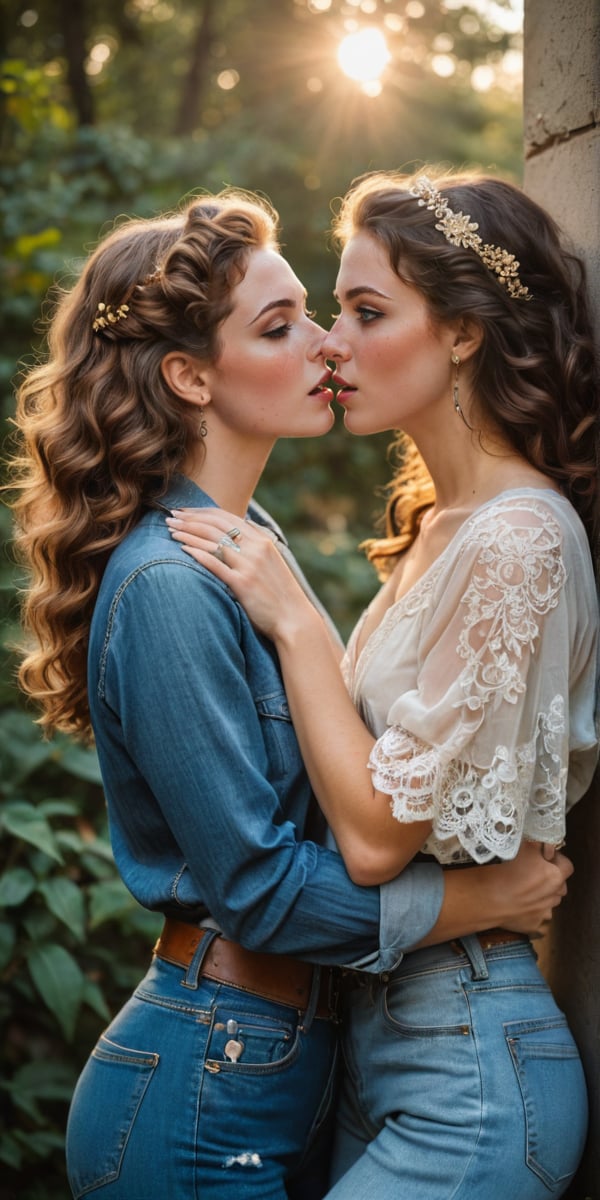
[107, 315]
[460, 230]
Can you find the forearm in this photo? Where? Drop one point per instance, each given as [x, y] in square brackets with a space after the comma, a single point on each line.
[335, 746]
[519, 895]
[334, 741]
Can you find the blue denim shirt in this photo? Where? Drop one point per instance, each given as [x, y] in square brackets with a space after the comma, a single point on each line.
[207, 795]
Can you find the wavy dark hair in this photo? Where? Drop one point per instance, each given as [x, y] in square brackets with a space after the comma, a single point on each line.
[100, 432]
[535, 373]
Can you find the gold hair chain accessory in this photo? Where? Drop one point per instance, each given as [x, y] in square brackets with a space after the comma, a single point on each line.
[107, 315]
[460, 230]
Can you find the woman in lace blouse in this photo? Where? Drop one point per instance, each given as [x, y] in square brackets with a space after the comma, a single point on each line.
[463, 321]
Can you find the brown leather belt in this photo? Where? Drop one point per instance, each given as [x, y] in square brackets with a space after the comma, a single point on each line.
[487, 940]
[275, 977]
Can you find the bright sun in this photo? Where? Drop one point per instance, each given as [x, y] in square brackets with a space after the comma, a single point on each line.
[364, 55]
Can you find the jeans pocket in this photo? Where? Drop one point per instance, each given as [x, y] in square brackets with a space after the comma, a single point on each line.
[553, 1091]
[261, 1044]
[105, 1104]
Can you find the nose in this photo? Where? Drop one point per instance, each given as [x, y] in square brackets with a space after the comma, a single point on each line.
[334, 346]
[318, 336]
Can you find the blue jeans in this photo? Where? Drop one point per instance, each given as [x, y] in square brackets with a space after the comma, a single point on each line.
[463, 1081]
[161, 1111]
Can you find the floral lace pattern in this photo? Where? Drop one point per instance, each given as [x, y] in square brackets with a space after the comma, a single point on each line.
[518, 578]
[471, 685]
[477, 813]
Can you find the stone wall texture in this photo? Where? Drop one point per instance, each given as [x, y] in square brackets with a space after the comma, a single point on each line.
[562, 172]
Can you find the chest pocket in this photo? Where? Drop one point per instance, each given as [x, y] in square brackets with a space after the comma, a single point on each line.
[278, 733]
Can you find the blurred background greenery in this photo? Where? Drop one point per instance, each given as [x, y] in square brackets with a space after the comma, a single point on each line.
[119, 108]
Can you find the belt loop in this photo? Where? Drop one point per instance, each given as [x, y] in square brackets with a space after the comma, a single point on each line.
[313, 1000]
[474, 952]
[192, 975]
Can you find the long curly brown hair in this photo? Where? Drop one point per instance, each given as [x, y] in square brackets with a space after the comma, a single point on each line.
[535, 373]
[100, 433]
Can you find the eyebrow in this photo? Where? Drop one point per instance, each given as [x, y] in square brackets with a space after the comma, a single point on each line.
[362, 290]
[275, 304]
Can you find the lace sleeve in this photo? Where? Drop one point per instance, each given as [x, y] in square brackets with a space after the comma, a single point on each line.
[480, 747]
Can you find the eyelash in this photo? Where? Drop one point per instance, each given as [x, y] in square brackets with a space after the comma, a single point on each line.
[365, 315]
[279, 332]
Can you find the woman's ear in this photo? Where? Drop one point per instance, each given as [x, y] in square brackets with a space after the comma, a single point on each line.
[185, 376]
[468, 338]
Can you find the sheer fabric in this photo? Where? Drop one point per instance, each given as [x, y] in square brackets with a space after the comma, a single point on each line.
[480, 683]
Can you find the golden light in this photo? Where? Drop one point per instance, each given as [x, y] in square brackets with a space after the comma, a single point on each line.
[482, 78]
[227, 80]
[443, 65]
[364, 55]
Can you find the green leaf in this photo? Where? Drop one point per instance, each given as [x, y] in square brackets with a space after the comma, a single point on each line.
[100, 848]
[22, 748]
[68, 839]
[15, 886]
[39, 925]
[10, 1151]
[93, 997]
[58, 808]
[7, 943]
[108, 899]
[78, 761]
[42, 1143]
[39, 1080]
[65, 900]
[24, 821]
[60, 983]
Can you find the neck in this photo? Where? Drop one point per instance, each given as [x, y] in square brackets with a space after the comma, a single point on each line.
[469, 467]
[228, 468]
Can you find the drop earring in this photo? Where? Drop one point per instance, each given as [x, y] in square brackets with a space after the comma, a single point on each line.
[455, 360]
[203, 428]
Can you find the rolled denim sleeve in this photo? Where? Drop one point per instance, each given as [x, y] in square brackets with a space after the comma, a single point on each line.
[409, 908]
[193, 814]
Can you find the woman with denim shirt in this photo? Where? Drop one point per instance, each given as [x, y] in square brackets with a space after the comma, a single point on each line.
[463, 322]
[175, 362]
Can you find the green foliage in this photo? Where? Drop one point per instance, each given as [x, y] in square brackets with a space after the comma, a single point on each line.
[72, 940]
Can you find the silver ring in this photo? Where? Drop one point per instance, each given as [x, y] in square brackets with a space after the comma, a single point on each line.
[234, 533]
[223, 542]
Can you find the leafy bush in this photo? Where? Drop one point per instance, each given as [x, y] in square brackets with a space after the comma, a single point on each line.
[72, 939]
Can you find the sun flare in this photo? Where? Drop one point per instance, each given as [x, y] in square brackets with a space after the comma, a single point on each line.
[363, 56]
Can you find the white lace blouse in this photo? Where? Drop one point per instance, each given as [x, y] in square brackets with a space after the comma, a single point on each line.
[480, 683]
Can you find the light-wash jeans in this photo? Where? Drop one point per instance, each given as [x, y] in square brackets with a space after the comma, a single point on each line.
[161, 1113]
[463, 1082]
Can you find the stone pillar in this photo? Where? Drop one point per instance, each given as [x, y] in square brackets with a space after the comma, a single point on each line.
[562, 172]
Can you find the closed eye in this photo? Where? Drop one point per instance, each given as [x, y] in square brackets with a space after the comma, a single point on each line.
[279, 332]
